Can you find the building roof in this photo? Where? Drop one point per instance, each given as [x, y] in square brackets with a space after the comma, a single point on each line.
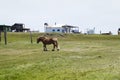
[63, 25]
[5, 26]
[69, 26]
[57, 25]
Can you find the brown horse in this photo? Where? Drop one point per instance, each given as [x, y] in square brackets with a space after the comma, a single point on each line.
[47, 41]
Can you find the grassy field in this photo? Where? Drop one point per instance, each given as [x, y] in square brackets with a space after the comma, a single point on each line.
[81, 57]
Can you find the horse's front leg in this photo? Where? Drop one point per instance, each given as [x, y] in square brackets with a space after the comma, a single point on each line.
[45, 48]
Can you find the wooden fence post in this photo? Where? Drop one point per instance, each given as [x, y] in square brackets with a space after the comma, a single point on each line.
[0, 35]
[31, 37]
[5, 35]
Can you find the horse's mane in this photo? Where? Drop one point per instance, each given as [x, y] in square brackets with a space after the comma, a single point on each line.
[42, 37]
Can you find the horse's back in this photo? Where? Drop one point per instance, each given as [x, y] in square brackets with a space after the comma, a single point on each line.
[54, 39]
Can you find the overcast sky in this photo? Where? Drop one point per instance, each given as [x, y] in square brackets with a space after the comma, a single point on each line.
[104, 15]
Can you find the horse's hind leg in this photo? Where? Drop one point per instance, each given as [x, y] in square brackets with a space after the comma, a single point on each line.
[57, 46]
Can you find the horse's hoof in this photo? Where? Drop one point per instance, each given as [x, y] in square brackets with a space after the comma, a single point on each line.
[58, 49]
[53, 50]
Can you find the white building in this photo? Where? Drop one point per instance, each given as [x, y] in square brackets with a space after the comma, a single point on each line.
[91, 31]
[61, 28]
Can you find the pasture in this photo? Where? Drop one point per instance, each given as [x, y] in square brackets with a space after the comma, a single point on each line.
[81, 57]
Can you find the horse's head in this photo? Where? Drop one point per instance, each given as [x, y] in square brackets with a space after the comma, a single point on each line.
[40, 39]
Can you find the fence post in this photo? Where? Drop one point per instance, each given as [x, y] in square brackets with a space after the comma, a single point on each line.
[5, 35]
[0, 35]
[31, 37]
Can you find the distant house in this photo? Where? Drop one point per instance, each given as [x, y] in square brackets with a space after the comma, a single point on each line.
[3, 27]
[91, 31]
[61, 28]
[19, 27]
[109, 33]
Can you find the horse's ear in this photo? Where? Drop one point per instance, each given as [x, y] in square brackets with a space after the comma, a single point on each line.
[37, 40]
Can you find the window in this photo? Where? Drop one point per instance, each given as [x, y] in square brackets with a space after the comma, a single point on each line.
[58, 30]
[53, 30]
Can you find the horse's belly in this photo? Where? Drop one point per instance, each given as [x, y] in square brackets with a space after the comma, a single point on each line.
[48, 43]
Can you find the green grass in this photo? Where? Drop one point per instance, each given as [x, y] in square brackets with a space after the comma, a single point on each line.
[81, 57]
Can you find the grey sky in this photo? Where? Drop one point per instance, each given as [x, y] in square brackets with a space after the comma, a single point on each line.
[104, 15]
